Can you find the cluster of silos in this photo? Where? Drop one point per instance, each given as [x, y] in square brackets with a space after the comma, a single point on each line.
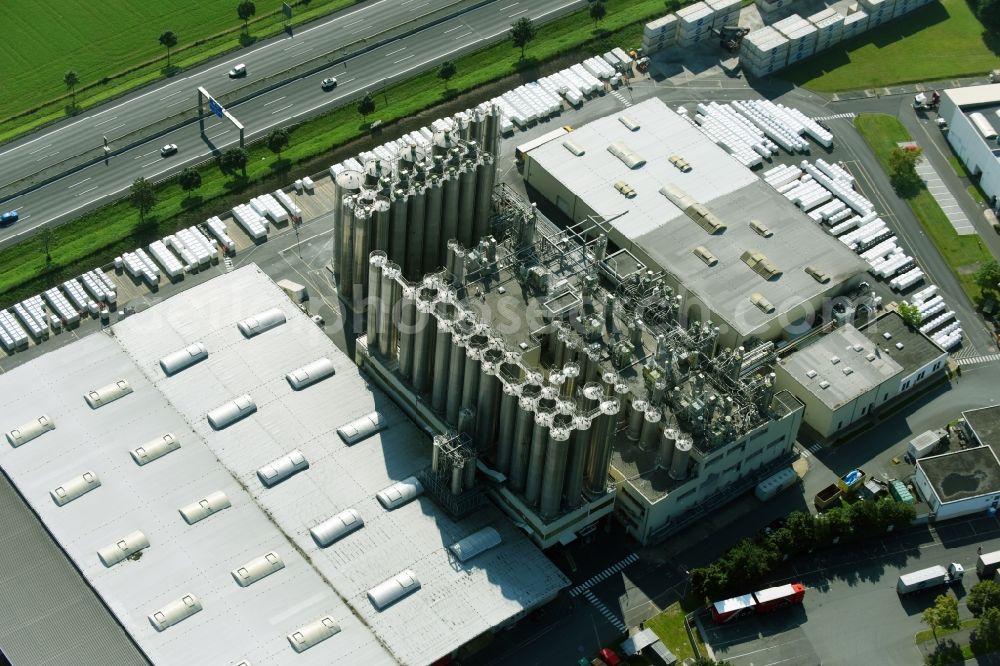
[412, 206]
[645, 427]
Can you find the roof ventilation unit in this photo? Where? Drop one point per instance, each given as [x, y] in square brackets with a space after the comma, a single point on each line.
[765, 305]
[834, 360]
[817, 274]
[30, 430]
[229, 413]
[155, 448]
[856, 347]
[176, 611]
[75, 488]
[257, 569]
[313, 633]
[810, 373]
[629, 123]
[362, 428]
[278, 470]
[573, 148]
[475, 544]
[123, 549]
[181, 359]
[625, 189]
[389, 592]
[698, 213]
[870, 357]
[310, 373]
[260, 322]
[629, 157]
[847, 371]
[760, 264]
[336, 528]
[824, 384]
[702, 253]
[102, 396]
[760, 228]
[400, 493]
[205, 507]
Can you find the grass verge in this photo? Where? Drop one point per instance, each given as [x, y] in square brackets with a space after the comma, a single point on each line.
[964, 254]
[976, 194]
[939, 41]
[669, 626]
[957, 165]
[98, 236]
[928, 635]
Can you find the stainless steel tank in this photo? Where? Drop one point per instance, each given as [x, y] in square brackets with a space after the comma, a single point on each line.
[508, 411]
[590, 397]
[571, 371]
[554, 472]
[375, 263]
[445, 319]
[467, 203]
[536, 458]
[668, 441]
[523, 423]
[456, 368]
[449, 225]
[423, 341]
[485, 176]
[637, 414]
[650, 429]
[473, 360]
[489, 396]
[577, 456]
[400, 203]
[415, 234]
[407, 326]
[598, 460]
[432, 226]
[391, 292]
[381, 220]
[679, 462]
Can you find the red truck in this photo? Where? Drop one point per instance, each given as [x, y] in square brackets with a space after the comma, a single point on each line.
[763, 601]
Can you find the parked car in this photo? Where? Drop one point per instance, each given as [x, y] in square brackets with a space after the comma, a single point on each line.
[168, 150]
[609, 657]
[238, 71]
[8, 218]
[329, 83]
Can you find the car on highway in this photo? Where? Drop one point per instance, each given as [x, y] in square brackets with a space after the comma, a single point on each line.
[8, 218]
[329, 83]
[168, 150]
[238, 71]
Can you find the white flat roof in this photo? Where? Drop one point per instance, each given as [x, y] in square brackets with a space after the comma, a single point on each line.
[456, 603]
[732, 192]
[971, 95]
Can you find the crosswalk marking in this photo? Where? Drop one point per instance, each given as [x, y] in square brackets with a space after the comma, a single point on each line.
[849, 114]
[605, 611]
[621, 98]
[603, 575]
[976, 360]
[229, 264]
[811, 450]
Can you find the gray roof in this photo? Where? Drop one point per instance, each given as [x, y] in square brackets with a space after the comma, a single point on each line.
[962, 474]
[728, 189]
[457, 602]
[985, 423]
[840, 366]
[917, 349]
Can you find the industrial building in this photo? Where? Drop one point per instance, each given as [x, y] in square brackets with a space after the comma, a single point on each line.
[959, 483]
[850, 373]
[983, 425]
[735, 250]
[972, 115]
[236, 492]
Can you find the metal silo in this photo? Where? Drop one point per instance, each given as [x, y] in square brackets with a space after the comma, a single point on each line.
[432, 225]
[392, 292]
[523, 424]
[679, 463]
[445, 317]
[415, 234]
[602, 429]
[577, 457]
[375, 263]
[456, 368]
[668, 441]
[449, 222]
[358, 285]
[381, 219]
[590, 398]
[536, 458]
[474, 349]
[407, 325]
[399, 203]
[554, 473]
[650, 429]
[571, 371]
[423, 342]
[489, 396]
[345, 244]
[485, 178]
[508, 412]
[467, 204]
[636, 415]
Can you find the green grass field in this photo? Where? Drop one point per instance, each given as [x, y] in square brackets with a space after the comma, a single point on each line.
[942, 40]
[964, 254]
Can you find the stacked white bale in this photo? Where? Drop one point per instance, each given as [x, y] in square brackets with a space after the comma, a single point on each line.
[842, 216]
[781, 175]
[907, 279]
[599, 67]
[14, 335]
[136, 267]
[855, 24]
[218, 229]
[95, 287]
[203, 248]
[817, 132]
[801, 35]
[825, 212]
[879, 11]
[78, 296]
[849, 239]
[949, 337]
[829, 28]
[151, 272]
[252, 223]
[659, 34]
[694, 24]
[66, 312]
[764, 52]
[876, 264]
[272, 208]
[166, 259]
[31, 312]
[843, 189]
[870, 238]
[931, 307]
[897, 264]
[609, 59]
[880, 251]
[924, 294]
[727, 12]
[937, 322]
[733, 133]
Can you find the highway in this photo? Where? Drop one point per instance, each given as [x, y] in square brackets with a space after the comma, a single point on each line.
[88, 188]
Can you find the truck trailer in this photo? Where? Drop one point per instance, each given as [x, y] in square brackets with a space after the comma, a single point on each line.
[930, 577]
[758, 603]
[987, 565]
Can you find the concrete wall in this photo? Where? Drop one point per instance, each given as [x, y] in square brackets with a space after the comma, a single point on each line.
[923, 373]
[971, 148]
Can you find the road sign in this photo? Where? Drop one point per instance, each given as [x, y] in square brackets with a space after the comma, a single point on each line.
[216, 108]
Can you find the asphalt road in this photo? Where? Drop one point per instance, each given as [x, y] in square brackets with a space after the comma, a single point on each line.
[90, 187]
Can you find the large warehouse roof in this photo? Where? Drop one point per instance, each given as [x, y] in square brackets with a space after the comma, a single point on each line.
[456, 601]
[651, 221]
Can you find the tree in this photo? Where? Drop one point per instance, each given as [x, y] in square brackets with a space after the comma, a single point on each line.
[903, 171]
[988, 12]
[983, 596]
[521, 33]
[143, 197]
[366, 105]
[169, 40]
[988, 276]
[46, 237]
[277, 140]
[986, 637]
[245, 10]
[598, 11]
[707, 661]
[446, 71]
[672, 5]
[233, 159]
[942, 615]
[190, 179]
[71, 79]
[910, 314]
[748, 562]
[800, 525]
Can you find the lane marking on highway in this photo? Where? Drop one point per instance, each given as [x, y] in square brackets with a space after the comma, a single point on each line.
[115, 127]
[516, 13]
[219, 134]
[105, 122]
[47, 156]
[419, 6]
[463, 36]
[80, 183]
[294, 46]
[282, 109]
[151, 163]
[80, 194]
[457, 27]
[503, 9]
[304, 51]
[396, 62]
[36, 150]
[176, 92]
[348, 80]
[598, 577]
[348, 25]
[275, 100]
[175, 103]
[396, 51]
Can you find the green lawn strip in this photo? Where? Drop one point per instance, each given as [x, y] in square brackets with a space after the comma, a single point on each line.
[959, 168]
[928, 635]
[98, 236]
[976, 195]
[140, 72]
[939, 41]
[964, 254]
[669, 626]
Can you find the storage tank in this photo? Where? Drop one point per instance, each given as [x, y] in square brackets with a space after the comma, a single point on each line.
[668, 442]
[576, 461]
[449, 222]
[474, 349]
[590, 397]
[423, 342]
[554, 473]
[399, 204]
[391, 293]
[599, 449]
[536, 458]
[523, 424]
[679, 463]
[637, 415]
[343, 230]
[415, 234]
[571, 372]
[511, 392]
[650, 429]
[358, 284]
[461, 332]
[485, 177]
[407, 326]
[433, 220]
[444, 322]
[489, 394]
[381, 219]
[467, 204]
[376, 260]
